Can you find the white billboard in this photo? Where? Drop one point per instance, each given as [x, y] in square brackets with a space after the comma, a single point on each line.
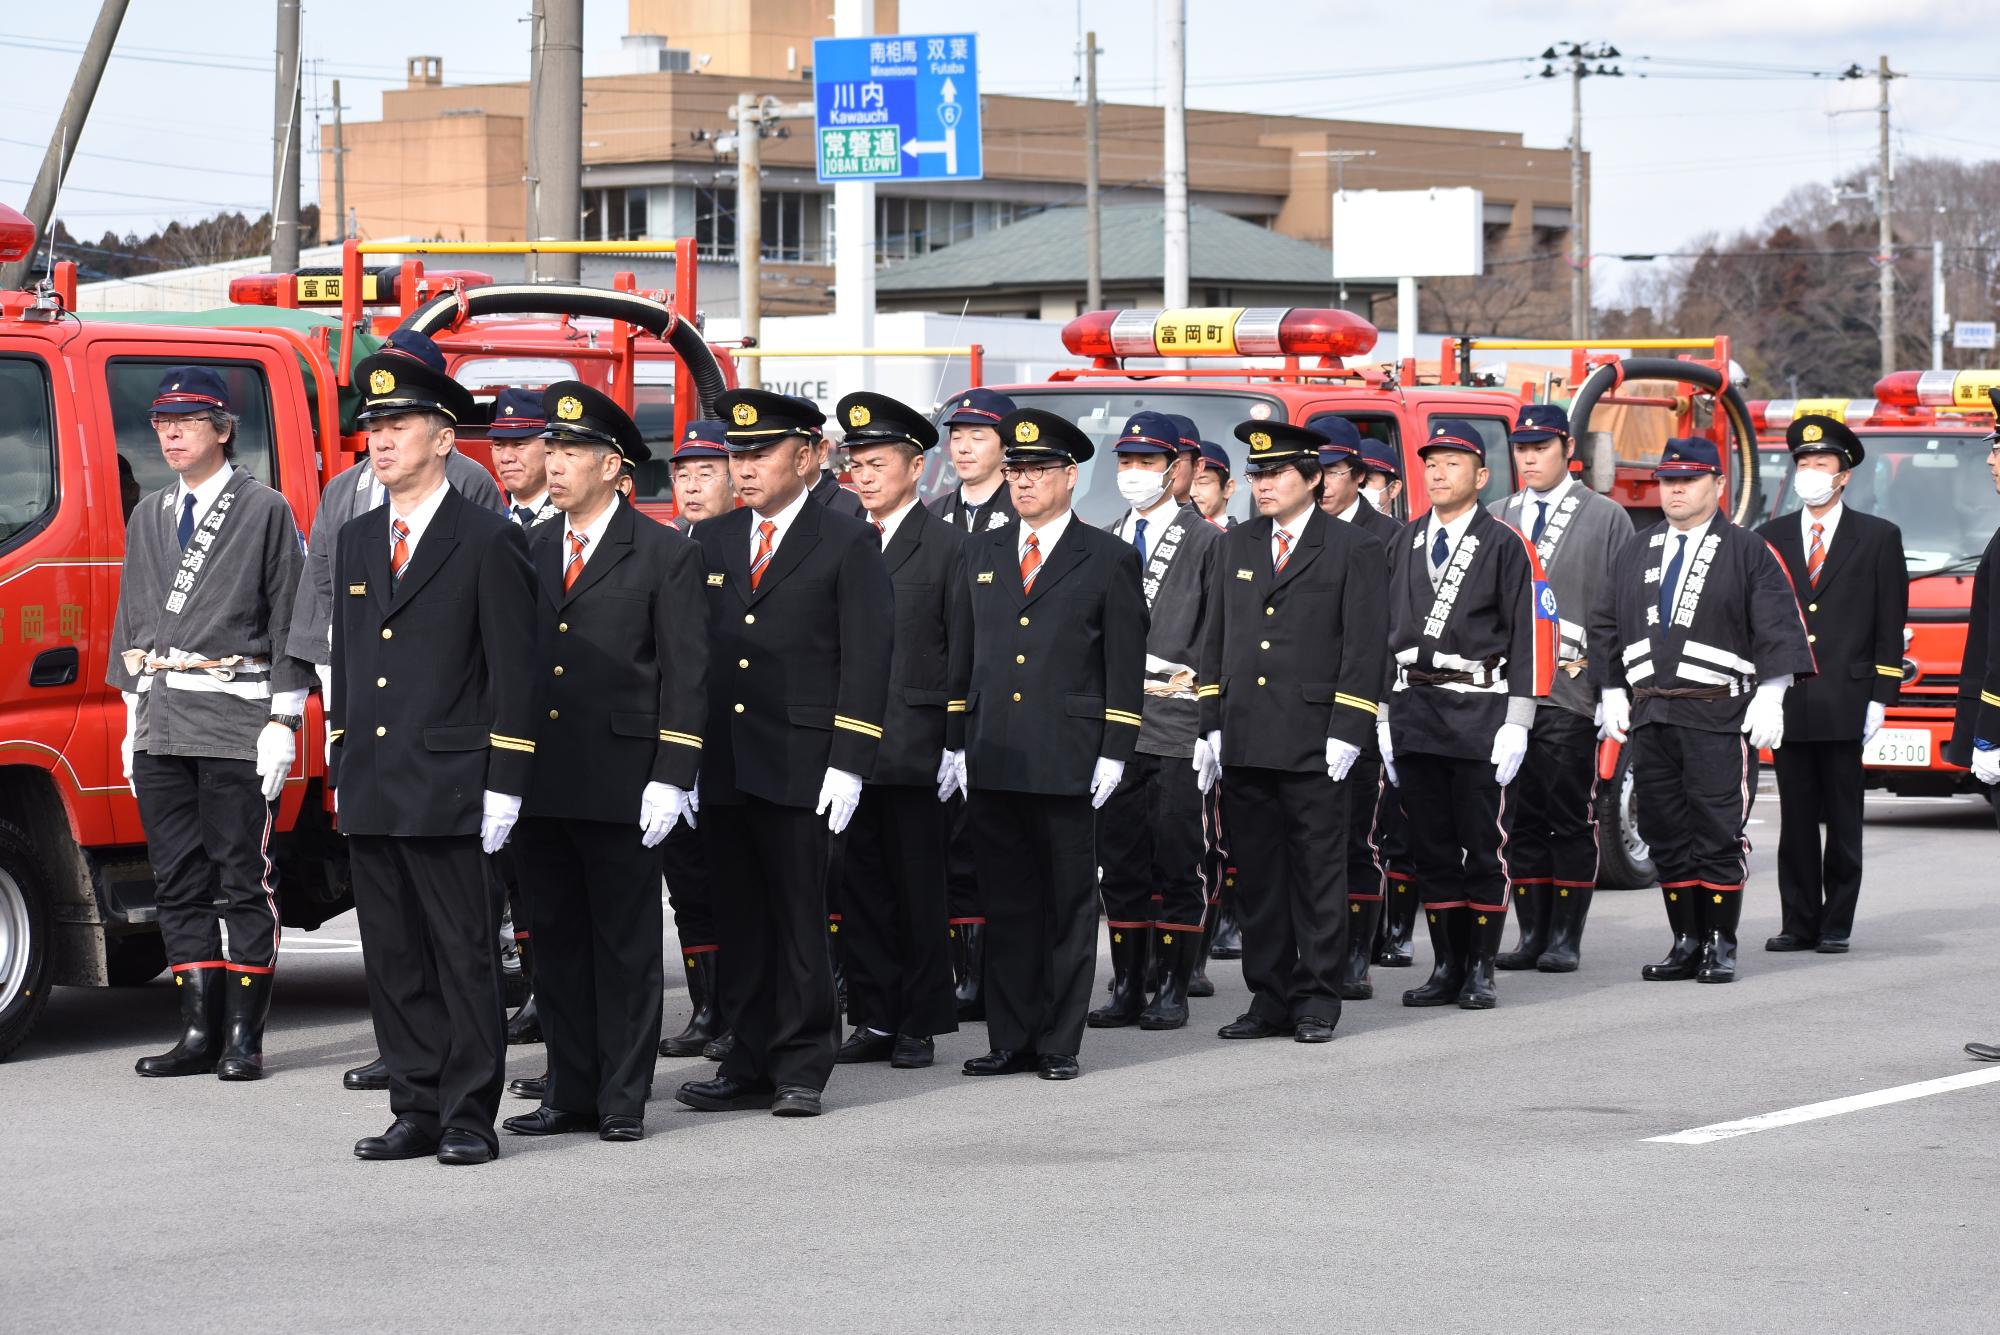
[1408, 234]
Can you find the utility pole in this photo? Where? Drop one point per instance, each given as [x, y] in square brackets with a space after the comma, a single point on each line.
[68, 128]
[285, 144]
[339, 175]
[555, 135]
[749, 225]
[1579, 55]
[1885, 263]
[1174, 180]
[854, 236]
[1093, 225]
[1940, 321]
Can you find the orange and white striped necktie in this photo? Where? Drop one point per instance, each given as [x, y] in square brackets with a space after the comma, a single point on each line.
[1284, 551]
[763, 556]
[1031, 562]
[399, 555]
[1816, 557]
[574, 567]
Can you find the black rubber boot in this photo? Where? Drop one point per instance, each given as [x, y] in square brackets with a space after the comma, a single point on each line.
[200, 994]
[1483, 931]
[720, 1048]
[971, 992]
[525, 1024]
[1721, 910]
[1198, 984]
[1533, 905]
[704, 1023]
[1447, 973]
[1565, 949]
[1228, 943]
[1685, 957]
[1363, 916]
[247, 1003]
[1177, 951]
[1399, 918]
[1128, 980]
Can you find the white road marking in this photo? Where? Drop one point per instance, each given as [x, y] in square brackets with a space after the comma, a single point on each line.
[315, 945]
[1812, 1112]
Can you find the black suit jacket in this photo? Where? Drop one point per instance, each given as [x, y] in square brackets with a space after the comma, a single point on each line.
[826, 489]
[932, 663]
[1293, 659]
[801, 664]
[433, 692]
[1854, 621]
[622, 662]
[1976, 715]
[1383, 528]
[951, 509]
[1058, 673]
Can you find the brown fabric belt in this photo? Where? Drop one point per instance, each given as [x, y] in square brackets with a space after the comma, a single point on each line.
[1681, 693]
[1420, 677]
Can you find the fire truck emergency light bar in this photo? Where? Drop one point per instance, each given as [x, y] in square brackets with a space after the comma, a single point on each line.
[1777, 414]
[1938, 389]
[323, 287]
[1220, 332]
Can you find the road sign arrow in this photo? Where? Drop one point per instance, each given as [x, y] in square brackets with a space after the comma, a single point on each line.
[949, 91]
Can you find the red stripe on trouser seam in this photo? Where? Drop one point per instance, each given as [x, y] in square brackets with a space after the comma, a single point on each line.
[965, 922]
[697, 950]
[251, 968]
[199, 964]
[1178, 927]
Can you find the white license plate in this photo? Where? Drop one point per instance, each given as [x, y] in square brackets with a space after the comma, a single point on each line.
[1899, 748]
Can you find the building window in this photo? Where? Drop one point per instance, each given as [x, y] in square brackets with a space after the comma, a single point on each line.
[795, 225]
[715, 223]
[614, 215]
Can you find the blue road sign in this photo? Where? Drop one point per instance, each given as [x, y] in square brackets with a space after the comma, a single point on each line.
[897, 108]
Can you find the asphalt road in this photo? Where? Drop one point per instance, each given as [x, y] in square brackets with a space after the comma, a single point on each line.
[1429, 1171]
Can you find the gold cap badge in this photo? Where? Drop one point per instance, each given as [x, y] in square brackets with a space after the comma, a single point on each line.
[1260, 440]
[858, 416]
[743, 414]
[1027, 432]
[1811, 433]
[381, 382]
[569, 408]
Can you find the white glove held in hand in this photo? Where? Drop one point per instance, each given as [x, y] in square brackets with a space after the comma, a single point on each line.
[1986, 766]
[839, 794]
[131, 736]
[659, 807]
[501, 811]
[1388, 751]
[1105, 781]
[1340, 757]
[1614, 714]
[1208, 760]
[1877, 714]
[1764, 719]
[1510, 747]
[276, 750]
[950, 775]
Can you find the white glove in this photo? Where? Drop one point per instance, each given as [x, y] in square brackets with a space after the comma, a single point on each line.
[1388, 751]
[1208, 760]
[131, 737]
[1105, 781]
[694, 798]
[276, 750]
[501, 811]
[1614, 714]
[660, 806]
[1510, 748]
[1764, 719]
[961, 774]
[1986, 767]
[1340, 757]
[839, 794]
[1877, 712]
[324, 671]
[951, 774]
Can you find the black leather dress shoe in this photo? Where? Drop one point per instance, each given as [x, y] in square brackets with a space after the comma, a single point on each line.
[1000, 1061]
[547, 1121]
[865, 1045]
[1986, 1052]
[1254, 1026]
[375, 1075]
[1057, 1066]
[716, 1049]
[725, 1094]
[912, 1052]
[1785, 942]
[1312, 1029]
[530, 1086]
[459, 1147]
[796, 1101]
[617, 1126]
[403, 1140]
[1832, 945]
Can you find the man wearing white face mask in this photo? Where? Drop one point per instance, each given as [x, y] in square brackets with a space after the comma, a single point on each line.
[1848, 570]
[1150, 835]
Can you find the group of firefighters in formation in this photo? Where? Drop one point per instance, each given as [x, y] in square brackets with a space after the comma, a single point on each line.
[943, 722]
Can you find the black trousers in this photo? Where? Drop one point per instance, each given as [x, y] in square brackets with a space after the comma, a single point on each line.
[1363, 787]
[1458, 841]
[893, 913]
[208, 835]
[1289, 834]
[1552, 804]
[1150, 845]
[961, 868]
[598, 974]
[1694, 789]
[430, 942]
[690, 890]
[771, 927]
[1037, 879]
[1819, 783]
[1392, 832]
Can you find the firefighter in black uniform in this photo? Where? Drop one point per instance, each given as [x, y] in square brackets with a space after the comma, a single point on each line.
[898, 957]
[801, 621]
[1211, 492]
[1848, 571]
[1975, 731]
[1052, 716]
[432, 734]
[1291, 675]
[623, 665]
[1693, 642]
[1381, 491]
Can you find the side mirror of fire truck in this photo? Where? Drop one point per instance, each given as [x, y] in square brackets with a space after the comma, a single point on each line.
[1600, 460]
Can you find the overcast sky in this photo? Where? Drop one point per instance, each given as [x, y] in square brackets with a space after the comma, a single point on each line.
[1725, 120]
